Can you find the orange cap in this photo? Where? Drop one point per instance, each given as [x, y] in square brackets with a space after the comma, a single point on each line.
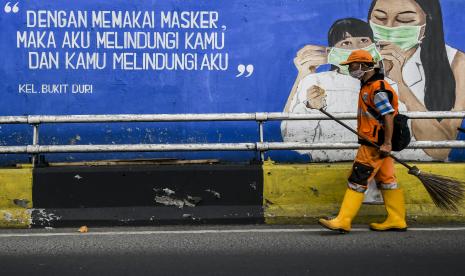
[361, 56]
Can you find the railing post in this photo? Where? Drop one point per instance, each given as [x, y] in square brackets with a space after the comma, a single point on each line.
[35, 142]
[260, 127]
[261, 117]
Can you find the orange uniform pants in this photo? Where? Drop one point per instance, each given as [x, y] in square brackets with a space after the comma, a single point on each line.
[368, 164]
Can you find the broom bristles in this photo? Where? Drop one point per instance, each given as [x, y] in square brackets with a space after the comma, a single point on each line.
[446, 192]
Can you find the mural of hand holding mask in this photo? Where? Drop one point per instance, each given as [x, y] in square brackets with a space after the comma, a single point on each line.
[309, 58]
[316, 97]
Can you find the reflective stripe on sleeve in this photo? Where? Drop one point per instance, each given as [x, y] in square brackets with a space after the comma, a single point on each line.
[382, 104]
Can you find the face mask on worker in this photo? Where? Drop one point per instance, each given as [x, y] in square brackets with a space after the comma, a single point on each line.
[406, 37]
[359, 73]
[338, 55]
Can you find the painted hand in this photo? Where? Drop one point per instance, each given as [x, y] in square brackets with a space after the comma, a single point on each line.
[394, 59]
[309, 58]
[316, 97]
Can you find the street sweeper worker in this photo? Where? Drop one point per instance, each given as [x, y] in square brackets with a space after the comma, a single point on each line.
[377, 106]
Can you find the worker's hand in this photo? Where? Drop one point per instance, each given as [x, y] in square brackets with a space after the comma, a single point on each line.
[309, 58]
[385, 150]
[316, 97]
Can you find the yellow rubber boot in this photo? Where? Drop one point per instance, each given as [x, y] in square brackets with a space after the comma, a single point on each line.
[349, 209]
[395, 207]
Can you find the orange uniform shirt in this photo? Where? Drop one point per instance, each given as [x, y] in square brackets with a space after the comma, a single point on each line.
[371, 124]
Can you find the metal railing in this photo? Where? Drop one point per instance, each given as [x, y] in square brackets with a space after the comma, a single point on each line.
[261, 146]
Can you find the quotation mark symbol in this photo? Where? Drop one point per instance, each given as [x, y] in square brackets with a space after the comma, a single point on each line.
[242, 69]
[13, 9]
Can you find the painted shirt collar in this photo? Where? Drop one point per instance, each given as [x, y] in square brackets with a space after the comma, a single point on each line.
[413, 72]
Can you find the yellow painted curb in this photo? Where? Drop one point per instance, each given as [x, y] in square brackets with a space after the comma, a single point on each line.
[15, 198]
[300, 193]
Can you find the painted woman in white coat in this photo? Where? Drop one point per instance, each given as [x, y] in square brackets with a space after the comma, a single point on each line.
[430, 74]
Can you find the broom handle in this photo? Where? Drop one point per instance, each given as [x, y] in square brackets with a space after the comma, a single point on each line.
[364, 138]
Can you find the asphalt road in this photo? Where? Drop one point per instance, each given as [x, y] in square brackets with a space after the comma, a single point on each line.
[232, 250]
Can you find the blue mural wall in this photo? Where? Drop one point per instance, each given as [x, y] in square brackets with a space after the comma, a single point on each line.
[261, 38]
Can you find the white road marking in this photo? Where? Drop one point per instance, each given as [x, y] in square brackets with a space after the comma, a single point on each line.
[226, 231]
[438, 229]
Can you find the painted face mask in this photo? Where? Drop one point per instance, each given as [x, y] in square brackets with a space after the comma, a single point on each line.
[338, 55]
[406, 37]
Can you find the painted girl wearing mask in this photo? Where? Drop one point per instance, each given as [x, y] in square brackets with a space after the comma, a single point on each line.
[430, 74]
[341, 90]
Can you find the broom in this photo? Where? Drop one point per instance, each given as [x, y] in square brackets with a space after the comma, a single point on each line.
[446, 192]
